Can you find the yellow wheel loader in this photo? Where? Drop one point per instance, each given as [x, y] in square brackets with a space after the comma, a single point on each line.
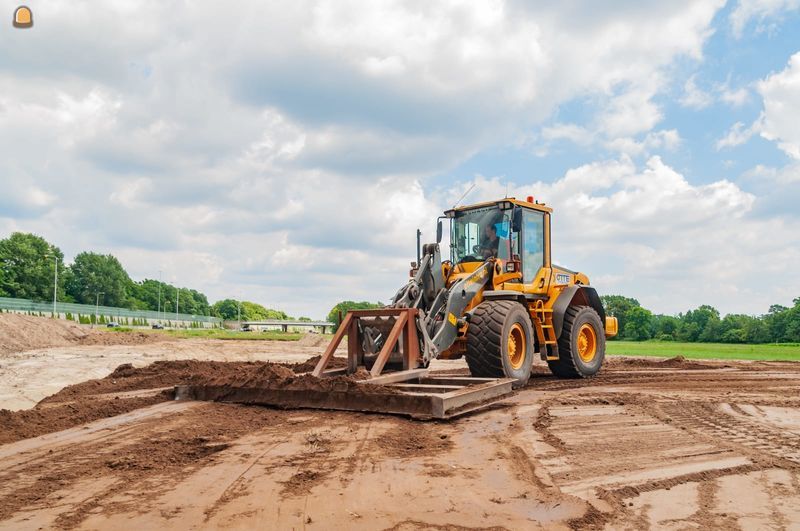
[497, 301]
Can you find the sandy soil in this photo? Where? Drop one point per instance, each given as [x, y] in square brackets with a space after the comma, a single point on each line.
[670, 445]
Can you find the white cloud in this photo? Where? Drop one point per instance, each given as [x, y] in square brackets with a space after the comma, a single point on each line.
[788, 174]
[738, 134]
[631, 112]
[734, 97]
[762, 10]
[668, 140]
[697, 98]
[21, 199]
[781, 95]
[572, 132]
[694, 97]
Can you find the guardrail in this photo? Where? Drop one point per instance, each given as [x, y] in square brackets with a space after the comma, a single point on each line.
[108, 312]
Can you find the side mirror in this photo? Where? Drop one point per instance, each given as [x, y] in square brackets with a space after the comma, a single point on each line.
[516, 220]
[439, 231]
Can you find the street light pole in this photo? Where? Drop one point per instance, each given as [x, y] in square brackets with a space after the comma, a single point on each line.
[177, 301]
[97, 306]
[239, 313]
[55, 284]
[159, 294]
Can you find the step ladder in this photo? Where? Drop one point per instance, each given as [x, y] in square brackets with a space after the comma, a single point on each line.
[545, 331]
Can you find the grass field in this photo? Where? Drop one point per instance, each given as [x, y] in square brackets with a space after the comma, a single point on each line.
[217, 333]
[668, 349]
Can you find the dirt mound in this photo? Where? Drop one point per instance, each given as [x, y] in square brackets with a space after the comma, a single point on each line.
[311, 363]
[277, 376]
[126, 377]
[24, 332]
[99, 337]
[313, 340]
[677, 362]
[19, 333]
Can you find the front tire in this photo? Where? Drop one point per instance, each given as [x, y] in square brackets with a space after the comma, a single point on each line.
[500, 341]
[582, 345]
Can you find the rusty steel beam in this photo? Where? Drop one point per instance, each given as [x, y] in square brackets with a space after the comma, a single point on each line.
[334, 344]
[391, 341]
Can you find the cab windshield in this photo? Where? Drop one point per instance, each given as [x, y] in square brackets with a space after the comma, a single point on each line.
[479, 234]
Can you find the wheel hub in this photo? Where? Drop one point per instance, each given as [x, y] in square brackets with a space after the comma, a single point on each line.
[516, 346]
[587, 343]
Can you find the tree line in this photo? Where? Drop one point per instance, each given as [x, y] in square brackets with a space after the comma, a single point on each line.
[780, 324]
[28, 262]
[28, 269]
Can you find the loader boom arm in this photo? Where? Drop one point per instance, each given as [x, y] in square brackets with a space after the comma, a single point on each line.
[440, 308]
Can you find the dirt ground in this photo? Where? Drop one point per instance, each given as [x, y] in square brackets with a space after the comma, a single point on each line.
[646, 444]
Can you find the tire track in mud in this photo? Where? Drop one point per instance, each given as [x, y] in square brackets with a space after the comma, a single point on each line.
[751, 437]
[593, 518]
[142, 460]
[698, 420]
[239, 486]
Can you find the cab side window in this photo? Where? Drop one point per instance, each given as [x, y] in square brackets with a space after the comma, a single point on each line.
[533, 244]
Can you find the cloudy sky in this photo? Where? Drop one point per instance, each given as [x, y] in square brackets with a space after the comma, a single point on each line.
[285, 152]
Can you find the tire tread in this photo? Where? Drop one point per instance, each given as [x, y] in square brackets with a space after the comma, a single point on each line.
[484, 338]
[565, 366]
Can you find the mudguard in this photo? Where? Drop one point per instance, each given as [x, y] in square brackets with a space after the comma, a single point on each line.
[576, 295]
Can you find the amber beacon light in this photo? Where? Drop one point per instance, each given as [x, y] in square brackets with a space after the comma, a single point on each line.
[23, 17]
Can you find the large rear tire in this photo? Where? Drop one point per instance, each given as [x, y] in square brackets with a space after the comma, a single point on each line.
[582, 345]
[500, 341]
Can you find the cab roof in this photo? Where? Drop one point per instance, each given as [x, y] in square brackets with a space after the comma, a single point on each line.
[502, 203]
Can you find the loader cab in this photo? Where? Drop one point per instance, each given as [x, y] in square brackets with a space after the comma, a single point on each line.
[522, 230]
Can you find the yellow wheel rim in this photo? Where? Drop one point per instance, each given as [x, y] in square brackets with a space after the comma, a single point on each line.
[516, 346]
[587, 343]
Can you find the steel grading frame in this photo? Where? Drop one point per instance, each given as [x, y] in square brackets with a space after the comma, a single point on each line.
[414, 394]
[415, 391]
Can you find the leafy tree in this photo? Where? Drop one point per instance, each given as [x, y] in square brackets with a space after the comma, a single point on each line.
[756, 331]
[93, 273]
[665, 327]
[776, 321]
[695, 322]
[191, 301]
[736, 328]
[638, 324]
[227, 309]
[345, 306]
[144, 295]
[27, 267]
[792, 319]
[255, 312]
